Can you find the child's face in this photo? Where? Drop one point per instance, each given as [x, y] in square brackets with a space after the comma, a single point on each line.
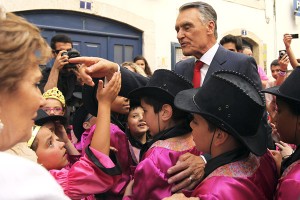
[120, 105]
[51, 153]
[285, 122]
[201, 134]
[275, 69]
[53, 107]
[151, 118]
[136, 123]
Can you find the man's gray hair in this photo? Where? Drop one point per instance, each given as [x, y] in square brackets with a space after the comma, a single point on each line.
[207, 12]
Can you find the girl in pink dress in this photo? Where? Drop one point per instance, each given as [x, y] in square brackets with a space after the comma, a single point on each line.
[92, 173]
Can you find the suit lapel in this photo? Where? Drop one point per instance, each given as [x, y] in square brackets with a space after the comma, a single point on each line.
[189, 72]
[217, 62]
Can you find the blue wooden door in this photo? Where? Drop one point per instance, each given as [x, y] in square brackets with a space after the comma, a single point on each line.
[91, 35]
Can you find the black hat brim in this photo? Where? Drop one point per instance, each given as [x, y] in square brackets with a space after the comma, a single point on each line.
[275, 91]
[51, 118]
[256, 143]
[78, 120]
[89, 98]
[155, 92]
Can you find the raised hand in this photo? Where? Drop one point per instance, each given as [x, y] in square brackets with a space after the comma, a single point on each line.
[105, 95]
[94, 67]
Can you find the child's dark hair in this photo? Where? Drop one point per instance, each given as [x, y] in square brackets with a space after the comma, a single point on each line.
[157, 105]
[60, 38]
[134, 106]
[293, 106]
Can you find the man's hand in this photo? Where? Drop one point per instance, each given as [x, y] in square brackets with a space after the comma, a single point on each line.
[187, 172]
[94, 67]
[60, 61]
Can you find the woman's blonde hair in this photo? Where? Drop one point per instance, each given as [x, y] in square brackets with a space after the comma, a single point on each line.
[19, 40]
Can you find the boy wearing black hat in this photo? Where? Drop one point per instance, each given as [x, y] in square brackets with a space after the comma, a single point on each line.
[170, 130]
[227, 124]
[288, 126]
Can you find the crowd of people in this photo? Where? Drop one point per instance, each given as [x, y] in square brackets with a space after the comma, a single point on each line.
[88, 128]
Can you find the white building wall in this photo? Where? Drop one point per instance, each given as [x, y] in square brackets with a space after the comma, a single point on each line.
[156, 18]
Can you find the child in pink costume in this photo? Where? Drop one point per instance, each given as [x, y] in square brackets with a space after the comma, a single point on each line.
[92, 173]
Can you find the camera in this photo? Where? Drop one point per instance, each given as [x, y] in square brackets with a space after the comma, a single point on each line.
[295, 36]
[72, 53]
[281, 53]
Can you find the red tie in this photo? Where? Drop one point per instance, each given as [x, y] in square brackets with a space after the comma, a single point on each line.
[197, 74]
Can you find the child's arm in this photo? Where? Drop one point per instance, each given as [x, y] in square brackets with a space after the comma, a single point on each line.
[60, 131]
[105, 96]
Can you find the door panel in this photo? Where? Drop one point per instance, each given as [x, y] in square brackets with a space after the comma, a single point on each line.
[121, 50]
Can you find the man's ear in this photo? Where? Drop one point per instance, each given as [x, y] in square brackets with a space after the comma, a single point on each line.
[166, 112]
[210, 27]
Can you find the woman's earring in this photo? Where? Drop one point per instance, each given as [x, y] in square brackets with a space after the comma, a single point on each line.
[1, 126]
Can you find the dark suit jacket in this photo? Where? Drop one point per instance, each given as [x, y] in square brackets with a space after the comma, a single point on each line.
[228, 60]
[223, 60]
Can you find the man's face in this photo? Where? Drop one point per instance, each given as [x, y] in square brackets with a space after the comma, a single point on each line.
[59, 46]
[193, 36]
[275, 69]
[230, 46]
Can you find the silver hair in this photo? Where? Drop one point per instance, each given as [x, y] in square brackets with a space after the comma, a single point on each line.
[207, 13]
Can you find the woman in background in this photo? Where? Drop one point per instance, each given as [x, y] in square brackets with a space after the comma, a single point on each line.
[142, 62]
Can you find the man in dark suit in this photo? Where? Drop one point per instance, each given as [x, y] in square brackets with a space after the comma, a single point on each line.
[196, 27]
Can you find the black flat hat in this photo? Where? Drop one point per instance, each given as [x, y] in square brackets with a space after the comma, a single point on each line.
[163, 85]
[289, 89]
[233, 103]
[78, 119]
[43, 117]
[89, 98]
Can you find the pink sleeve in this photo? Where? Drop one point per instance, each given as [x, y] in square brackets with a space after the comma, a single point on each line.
[156, 187]
[85, 178]
[289, 189]
[262, 74]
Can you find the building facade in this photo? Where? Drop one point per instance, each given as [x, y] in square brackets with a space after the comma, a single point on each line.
[121, 29]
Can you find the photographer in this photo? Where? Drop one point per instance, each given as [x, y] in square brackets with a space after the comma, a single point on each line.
[61, 74]
[287, 40]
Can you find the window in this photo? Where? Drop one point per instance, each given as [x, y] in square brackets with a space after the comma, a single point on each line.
[123, 53]
[176, 54]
